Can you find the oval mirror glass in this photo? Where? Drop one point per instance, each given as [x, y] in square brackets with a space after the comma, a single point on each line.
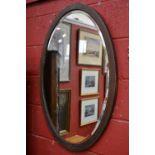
[77, 67]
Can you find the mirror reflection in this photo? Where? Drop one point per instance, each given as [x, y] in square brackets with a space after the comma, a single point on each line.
[79, 76]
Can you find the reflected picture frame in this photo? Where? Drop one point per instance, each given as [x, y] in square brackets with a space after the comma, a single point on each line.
[89, 81]
[89, 111]
[64, 68]
[65, 95]
[90, 50]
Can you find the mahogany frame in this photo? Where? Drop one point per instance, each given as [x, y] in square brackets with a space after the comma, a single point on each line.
[46, 80]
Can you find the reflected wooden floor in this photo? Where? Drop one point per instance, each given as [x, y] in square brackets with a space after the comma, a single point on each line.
[76, 139]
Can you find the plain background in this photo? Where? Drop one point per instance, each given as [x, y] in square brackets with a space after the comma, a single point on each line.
[13, 77]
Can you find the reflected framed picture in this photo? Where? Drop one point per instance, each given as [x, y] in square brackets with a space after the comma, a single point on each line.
[90, 48]
[64, 111]
[62, 44]
[89, 111]
[89, 81]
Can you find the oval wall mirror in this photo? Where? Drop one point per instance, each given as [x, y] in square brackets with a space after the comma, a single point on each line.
[78, 77]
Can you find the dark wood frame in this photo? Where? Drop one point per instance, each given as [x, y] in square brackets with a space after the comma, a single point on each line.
[92, 32]
[45, 79]
[68, 92]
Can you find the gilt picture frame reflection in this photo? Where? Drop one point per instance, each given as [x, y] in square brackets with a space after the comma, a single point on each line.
[89, 81]
[90, 48]
[64, 111]
[89, 111]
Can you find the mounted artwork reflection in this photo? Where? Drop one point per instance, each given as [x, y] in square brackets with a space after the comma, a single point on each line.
[76, 77]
